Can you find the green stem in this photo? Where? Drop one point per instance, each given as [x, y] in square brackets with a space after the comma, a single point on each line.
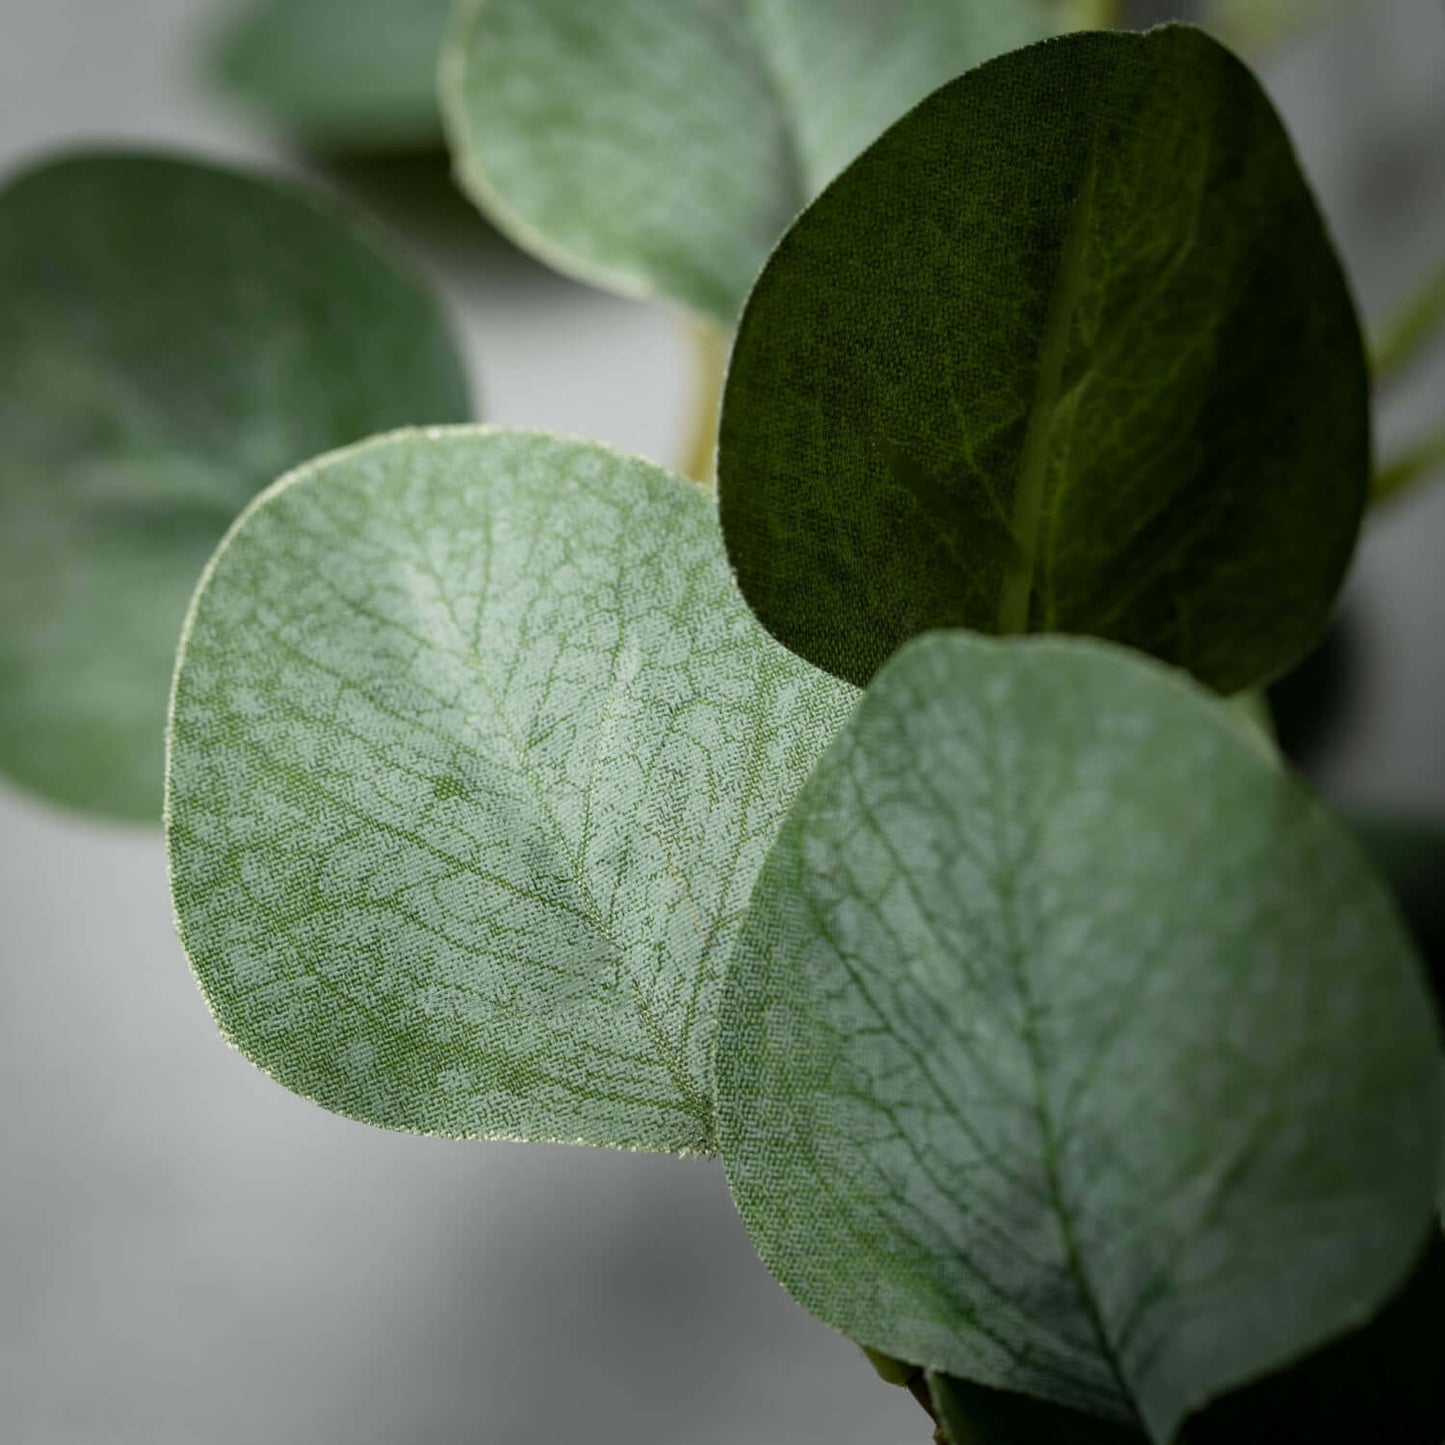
[1409, 469]
[911, 1378]
[1414, 327]
[1260, 26]
[1094, 14]
[710, 344]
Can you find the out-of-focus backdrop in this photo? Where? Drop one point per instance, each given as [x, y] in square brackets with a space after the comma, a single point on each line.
[190, 1254]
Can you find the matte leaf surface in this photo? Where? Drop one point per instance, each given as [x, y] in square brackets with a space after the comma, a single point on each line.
[172, 338]
[475, 755]
[345, 74]
[1067, 350]
[660, 147]
[1381, 1382]
[1068, 1046]
[1385, 1381]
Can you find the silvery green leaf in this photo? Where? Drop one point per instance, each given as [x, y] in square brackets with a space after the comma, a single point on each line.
[1069, 1046]
[343, 74]
[475, 753]
[660, 147]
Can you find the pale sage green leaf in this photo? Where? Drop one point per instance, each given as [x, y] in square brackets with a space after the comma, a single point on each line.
[474, 756]
[348, 75]
[1068, 350]
[660, 147]
[1068, 1046]
[172, 337]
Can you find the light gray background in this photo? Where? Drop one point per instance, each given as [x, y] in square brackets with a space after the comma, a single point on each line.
[188, 1253]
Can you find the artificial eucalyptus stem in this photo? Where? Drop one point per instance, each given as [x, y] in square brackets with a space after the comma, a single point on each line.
[912, 1378]
[1409, 469]
[1095, 14]
[710, 346]
[1418, 324]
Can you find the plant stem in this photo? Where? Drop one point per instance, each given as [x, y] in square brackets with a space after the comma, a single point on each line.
[912, 1378]
[1409, 469]
[1260, 26]
[1094, 14]
[1419, 322]
[917, 1386]
[710, 346]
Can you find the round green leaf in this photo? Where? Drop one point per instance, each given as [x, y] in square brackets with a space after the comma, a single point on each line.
[345, 74]
[660, 147]
[1068, 1046]
[1067, 350]
[172, 337]
[475, 753]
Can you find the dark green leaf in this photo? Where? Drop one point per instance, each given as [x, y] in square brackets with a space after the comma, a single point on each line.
[1068, 1046]
[172, 337]
[1085, 292]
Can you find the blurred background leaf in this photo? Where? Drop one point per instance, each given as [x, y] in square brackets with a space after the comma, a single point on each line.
[345, 75]
[173, 337]
[660, 147]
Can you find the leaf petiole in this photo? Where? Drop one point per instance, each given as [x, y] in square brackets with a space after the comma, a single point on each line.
[710, 344]
[1413, 466]
[1418, 324]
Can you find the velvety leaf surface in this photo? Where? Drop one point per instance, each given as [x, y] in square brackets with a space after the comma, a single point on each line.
[346, 74]
[1383, 1382]
[660, 147]
[1067, 350]
[172, 338]
[475, 755]
[1068, 1046]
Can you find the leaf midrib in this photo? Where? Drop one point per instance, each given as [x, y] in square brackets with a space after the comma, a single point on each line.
[1015, 603]
[691, 1099]
[1007, 876]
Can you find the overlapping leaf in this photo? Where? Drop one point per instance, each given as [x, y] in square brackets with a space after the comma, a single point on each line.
[1068, 1046]
[660, 147]
[475, 755]
[172, 337]
[976, 1415]
[1067, 350]
[343, 74]
[1380, 1382]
